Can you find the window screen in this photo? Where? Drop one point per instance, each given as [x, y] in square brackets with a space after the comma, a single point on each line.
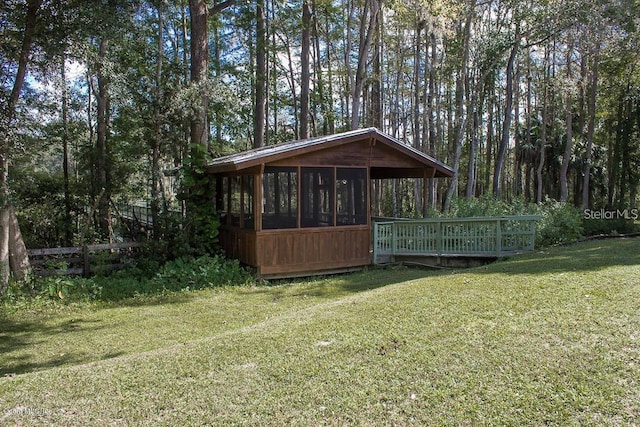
[351, 196]
[317, 197]
[247, 201]
[234, 212]
[280, 198]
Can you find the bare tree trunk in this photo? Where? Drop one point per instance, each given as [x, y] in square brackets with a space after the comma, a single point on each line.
[68, 221]
[543, 133]
[517, 163]
[506, 124]
[530, 160]
[591, 107]
[431, 113]
[566, 158]
[292, 84]
[366, 36]
[376, 85]
[157, 134]
[330, 117]
[6, 122]
[261, 77]
[199, 64]
[102, 152]
[473, 149]
[18, 256]
[305, 72]
[461, 115]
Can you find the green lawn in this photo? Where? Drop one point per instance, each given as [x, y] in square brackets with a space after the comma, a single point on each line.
[551, 338]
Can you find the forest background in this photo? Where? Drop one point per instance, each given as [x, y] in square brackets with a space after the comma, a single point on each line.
[105, 103]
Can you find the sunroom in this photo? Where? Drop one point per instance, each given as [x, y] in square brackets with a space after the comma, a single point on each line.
[303, 207]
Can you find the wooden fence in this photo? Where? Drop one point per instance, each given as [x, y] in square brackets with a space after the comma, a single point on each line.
[81, 260]
[477, 237]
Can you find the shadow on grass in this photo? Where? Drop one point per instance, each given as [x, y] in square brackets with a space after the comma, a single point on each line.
[585, 256]
[339, 285]
[17, 335]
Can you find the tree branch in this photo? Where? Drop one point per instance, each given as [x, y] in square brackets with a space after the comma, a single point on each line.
[221, 6]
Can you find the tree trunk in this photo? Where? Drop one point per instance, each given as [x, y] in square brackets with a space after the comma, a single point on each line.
[543, 132]
[68, 220]
[18, 256]
[305, 70]
[6, 123]
[591, 111]
[157, 134]
[566, 158]
[473, 149]
[199, 65]
[376, 84]
[506, 124]
[261, 77]
[102, 152]
[461, 115]
[517, 163]
[431, 116]
[366, 37]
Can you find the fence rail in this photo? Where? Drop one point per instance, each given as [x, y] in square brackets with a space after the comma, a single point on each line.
[81, 260]
[478, 237]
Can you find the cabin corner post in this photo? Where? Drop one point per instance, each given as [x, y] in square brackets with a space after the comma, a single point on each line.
[258, 198]
[219, 194]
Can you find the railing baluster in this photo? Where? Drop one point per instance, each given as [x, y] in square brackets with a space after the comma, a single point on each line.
[492, 236]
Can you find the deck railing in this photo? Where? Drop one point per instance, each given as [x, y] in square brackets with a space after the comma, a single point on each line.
[478, 237]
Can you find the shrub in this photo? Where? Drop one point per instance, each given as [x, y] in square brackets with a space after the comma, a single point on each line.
[594, 227]
[463, 207]
[178, 275]
[201, 272]
[559, 222]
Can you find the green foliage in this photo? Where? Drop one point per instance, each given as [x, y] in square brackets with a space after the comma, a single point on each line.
[559, 222]
[198, 190]
[595, 227]
[182, 274]
[463, 207]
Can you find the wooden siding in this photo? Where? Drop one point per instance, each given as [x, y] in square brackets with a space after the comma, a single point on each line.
[239, 244]
[361, 153]
[312, 249]
[296, 251]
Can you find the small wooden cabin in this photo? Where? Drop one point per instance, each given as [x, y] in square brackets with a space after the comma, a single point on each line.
[303, 207]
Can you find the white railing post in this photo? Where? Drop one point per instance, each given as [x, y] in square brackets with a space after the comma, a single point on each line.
[498, 237]
[439, 237]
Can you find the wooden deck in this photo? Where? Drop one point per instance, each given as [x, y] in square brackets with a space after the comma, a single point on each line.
[483, 237]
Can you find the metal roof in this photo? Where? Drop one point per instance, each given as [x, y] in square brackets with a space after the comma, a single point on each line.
[262, 155]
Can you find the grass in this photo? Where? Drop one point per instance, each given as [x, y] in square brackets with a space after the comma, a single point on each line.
[551, 338]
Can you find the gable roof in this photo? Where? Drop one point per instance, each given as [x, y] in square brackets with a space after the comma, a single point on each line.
[268, 154]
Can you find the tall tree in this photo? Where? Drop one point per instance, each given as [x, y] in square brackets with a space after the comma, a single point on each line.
[261, 77]
[11, 244]
[461, 115]
[200, 15]
[566, 158]
[102, 136]
[508, 109]
[305, 75]
[368, 22]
